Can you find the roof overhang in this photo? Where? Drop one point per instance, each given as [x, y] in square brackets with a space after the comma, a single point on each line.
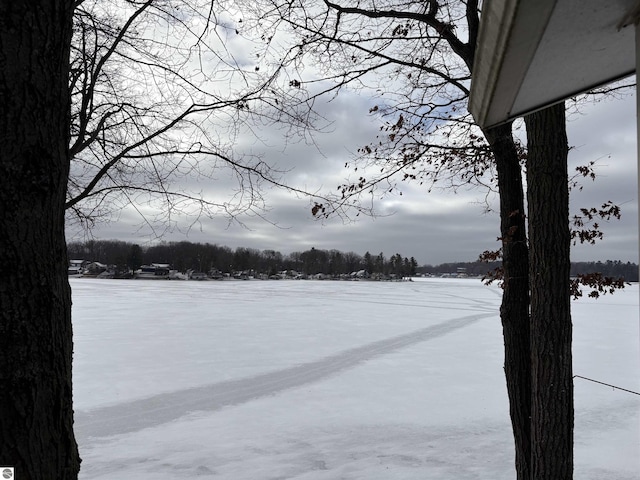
[531, 54]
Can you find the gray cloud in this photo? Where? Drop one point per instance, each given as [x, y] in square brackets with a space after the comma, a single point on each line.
[433, 227]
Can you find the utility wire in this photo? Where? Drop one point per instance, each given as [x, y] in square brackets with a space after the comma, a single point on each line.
[607, 384]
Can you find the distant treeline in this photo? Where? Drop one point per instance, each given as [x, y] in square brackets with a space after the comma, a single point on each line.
[184, 256]
[615, 269]
[206, 257]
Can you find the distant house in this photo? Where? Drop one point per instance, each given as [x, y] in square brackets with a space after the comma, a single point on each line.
[154, 271]
[216, 274]
[94, 269]
[243, 275]
[360, 274]
[76, 268]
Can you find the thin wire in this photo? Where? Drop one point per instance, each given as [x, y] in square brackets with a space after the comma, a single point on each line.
[607, 384]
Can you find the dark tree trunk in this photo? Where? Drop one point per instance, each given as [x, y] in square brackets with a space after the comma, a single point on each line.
[549, 240]
[514, 310]
[36, 416]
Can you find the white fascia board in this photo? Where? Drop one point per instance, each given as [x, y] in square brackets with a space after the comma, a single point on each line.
[532, 54]
[510, 32]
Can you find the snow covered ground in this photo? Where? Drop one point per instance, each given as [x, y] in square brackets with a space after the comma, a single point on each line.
[313, 380]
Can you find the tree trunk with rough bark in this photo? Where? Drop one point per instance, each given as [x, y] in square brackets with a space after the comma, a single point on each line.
[514, 310]
[551, 330]
[36, 415]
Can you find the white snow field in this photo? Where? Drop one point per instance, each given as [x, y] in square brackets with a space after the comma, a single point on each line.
[323, 380]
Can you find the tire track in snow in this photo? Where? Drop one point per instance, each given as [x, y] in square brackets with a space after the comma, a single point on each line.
[157, 410]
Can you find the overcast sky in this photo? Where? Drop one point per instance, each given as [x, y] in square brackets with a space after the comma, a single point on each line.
[433, 227]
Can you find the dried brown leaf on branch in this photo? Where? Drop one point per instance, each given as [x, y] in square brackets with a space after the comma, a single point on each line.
[598, 283]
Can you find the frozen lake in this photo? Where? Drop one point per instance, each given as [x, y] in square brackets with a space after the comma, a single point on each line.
[328, 380]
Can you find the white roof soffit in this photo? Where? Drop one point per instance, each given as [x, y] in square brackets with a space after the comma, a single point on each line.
[532, 54]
